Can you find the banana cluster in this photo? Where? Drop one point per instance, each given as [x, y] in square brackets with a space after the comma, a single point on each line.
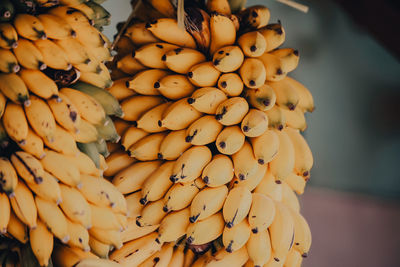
[211, 158]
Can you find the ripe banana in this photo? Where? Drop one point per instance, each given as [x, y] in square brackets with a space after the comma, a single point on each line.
[28, 55]
[9, 178]
[149, 120]
[262, 98]
[206, 230]
[253, 73]
[306, 101]
[203, 74]
[228, 58]
[274, 34]
[179, 115]
[41, 241]
[295, 119]
[178, 257]
[14, 88]
[6, 209]
[269, 187]
[207, 99]
[55, 27]
[29, 27]
[283, 163]
[28, 168]
[303, 155]
[173, 145]
[203, 131]
[230, 140]
[9, 36]
[64, 256]
[140, 35]
[223, 32]
[99, 248]
[65, 113]
[148, 147]
[219, 6]
[143, 82]
[218, 171]
[253, 44]
[134, 231]
[136, 106]
[173, 226]
[286, 95]
[3, 101]
[17, 229]
[62, 142]
[104, 218]
[265, 146]
[262, 213]
[119, 89]
[276, 117]
[224, 258]
[255, 123]
[302, 234]
[255, 17]
[273, 67]
[129, 65]
[150, 55]
[75, 206]
[39, 84]
[76, 52]
[23, 205]
[289, 197]
[232, 111]
[53, 55]
[181, 60]
[253, 180]
[110, 237]
[151, 214]
[236, 237]
[48, 189]
[236, 206]
[79, 236]
[132, 135]
[296, 182]
[244, 162]
[231, 84]
[133, 204]
[259, 248]
[179, 196]
[207, 202]
[174, 86]
[289, 58]
[8, 62]
[293, 259]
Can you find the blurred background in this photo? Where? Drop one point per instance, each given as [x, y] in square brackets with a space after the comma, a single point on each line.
[350, 61]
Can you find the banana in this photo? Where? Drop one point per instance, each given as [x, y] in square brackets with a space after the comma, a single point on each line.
[110, 237]
[90, 150]
[134, 231]
[29, 27]
[181, 60]
[106, 132]
[149, 120]
[54, 218]
[255, 123]
[276, 117]
[232, 111]
[283, 163]
[53, 55]
[273, 67]
[62, 168]
[228, 58]
[75, 206]
[265, 146]
[174, 86]
[8, 62]
[289, 197]
[96, 262]
[262, 213]
[161, 258]
[262, 98]
[295, 119]
[100, 79]
[236, 237]
[132, 135]
[218, 171]
[206, 230]
[147, 148]
[48, 189]
[133, 204]
[302, 234]
[306, 101]
[65, 112]
[28, 168]
[207, 99]
[223, 32]
[253, 73]
[63, 142]
[65, 256]
[259, 248]
[143, 82]
[253, 44]
[255, 17]
[17, 229]
[6, 209]
[236, 206]
[137, 105]
[99, 248]
[286, 95]
[131, 179]
[253, 180]
[4, 140]
[28, 55]
[274, 34]
[173, 226]
[303, 155]
[39, 84]
[244, 162]
[104, 218]
[117, 161]
[230, 140]
[72, 16]
[158, 183]
[23, 205]
[173, 145]
[129, 65]
[140, 35]
[203, 131]
[289, 58]
[203, 74]
[90, 37]
[189, 258]
[119, 89]
[150, 55]
[178, 257]
[167, 30]
[121, 125]
[179, 196]
[293, 259]
[281, 232]
[207, 202]
[269, 187]
[71, 3]
[75, 51]
[3, 102]
[224, 258]
[14, 88]
[136, 251]
[41, 118]
[190, 164]
[8, 36]
[9, 178]
[179, 115]
[79, 236]
[219, 6]
[296, 182]
[165, 7]
[41, 241]
[55, 27]
[151, 214]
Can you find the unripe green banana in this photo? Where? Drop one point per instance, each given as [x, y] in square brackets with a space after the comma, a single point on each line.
[207, 99]
[231, 84]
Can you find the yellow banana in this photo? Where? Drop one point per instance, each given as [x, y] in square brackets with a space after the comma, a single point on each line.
[8, 62]
[55, 27]
[133, 204]
[269, 187]
[65, 112]
[48, 189]
[255, 123]
[23, 205]
[232, 111]
[173, 226]
[104, 218]
[150, 55]
[306, 101]
[3, 102]
[178, 257]
[203, 131]
[28, 168]
[161, 258]
[276, 117]
[296, 182]
[181, 60]
[88, 262]
[303, 156]
[147, 148]
[259, 248]
[262, 98]
[134, 231]
[158, 183]
[17, 229]
[206, 230]
[137, 105]
[236, 206]
[89, 36]
[223, 32]
[236, 237]
[281, 232]
[132, 135]
[253, 180]
[63, 142]
[203, 74]
[207, 99]
[265, 146]
[295, 119]
[149, 120]
[218, 171]
[244, 162]
[302, 234]
[274, 34]
[151, 214]
[143, 82]
[53, 55]
[283, 163]
[110, 237]
[253, 72]
[84, 164]
[132, 178]
[289, 58]
[228, 58]
[231, 84]
[165, 7]
[86, 132]
[79, 236]
[140, 35]
[179, 196]
[289, 197]
[219, 6]
[273, 67]
[29, 27]
[9, 178]
[119, 89]
[28, 55]
[190, 164]
[54, 218]
[207, 202]
[253, 44]
[293, 259]
[41, 241]
[39, 84]
[262, 213]
[224, 258]
[230, 140]
[9, 36]
[255, 17]
[129, 65]
[286, 95]
[174, 86]
[76, 52]
[202, 259]
[65, 256]
[173, 145]
[167, 29]
[62, 168]
[14, 88]
[6, 209]
[99, 248]
[179, 115]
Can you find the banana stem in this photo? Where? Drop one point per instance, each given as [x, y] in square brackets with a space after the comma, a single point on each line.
[181, 14]
[301, 7]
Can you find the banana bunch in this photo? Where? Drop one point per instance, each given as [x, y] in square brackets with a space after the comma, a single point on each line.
[211, 158]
